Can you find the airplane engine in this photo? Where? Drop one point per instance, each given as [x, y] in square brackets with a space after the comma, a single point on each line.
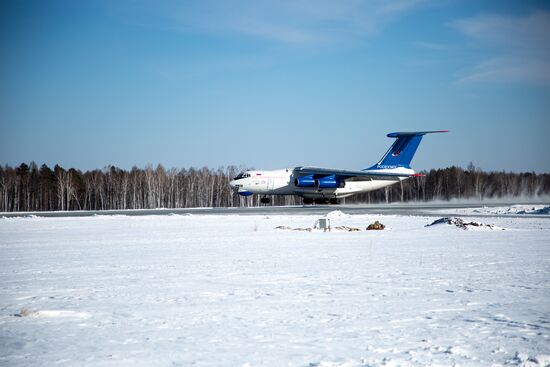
[304, 181]
[329, 182]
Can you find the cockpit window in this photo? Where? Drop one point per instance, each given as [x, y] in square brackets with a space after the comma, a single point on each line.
[242, 175]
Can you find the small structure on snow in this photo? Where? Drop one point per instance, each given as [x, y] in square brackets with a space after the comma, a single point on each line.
[322, 223]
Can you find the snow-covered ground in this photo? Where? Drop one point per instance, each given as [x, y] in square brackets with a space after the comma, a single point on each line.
[234, 291]
[500, 210]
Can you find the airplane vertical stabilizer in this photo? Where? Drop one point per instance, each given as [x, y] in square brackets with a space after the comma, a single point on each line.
[402, 150]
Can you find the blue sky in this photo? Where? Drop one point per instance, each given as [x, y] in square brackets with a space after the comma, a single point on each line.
[273, 84]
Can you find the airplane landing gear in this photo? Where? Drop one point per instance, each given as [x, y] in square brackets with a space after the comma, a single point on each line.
[321, 201]
[308, 201]
[265, 200]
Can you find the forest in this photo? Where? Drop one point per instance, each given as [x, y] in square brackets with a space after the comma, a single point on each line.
[29, 187]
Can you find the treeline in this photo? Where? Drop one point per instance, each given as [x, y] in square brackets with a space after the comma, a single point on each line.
[457, 183]
[33, 188]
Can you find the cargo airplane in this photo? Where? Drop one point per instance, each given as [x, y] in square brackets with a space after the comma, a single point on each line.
[324, 185]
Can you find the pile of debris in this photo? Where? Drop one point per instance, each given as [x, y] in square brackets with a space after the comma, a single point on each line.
[376, 226]
[339, 228]
[460, 223]
[294, 229]
[348, 229]
[24, 313]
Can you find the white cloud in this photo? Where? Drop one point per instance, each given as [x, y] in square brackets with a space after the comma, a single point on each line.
[520, 48]
[509, 69]
[292, 22]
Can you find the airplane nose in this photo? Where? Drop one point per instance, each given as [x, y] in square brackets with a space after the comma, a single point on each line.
[232, 183]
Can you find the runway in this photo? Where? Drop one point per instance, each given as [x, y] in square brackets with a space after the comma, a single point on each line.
[413, 209]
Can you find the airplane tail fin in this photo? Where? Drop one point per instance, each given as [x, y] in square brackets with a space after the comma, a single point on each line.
[402, 150]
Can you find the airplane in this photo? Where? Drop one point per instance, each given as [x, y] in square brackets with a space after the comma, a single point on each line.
[325, 185]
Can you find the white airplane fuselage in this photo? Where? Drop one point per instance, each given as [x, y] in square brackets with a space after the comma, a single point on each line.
[281, 182]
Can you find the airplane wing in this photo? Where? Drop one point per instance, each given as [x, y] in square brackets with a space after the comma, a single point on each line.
[346, 174]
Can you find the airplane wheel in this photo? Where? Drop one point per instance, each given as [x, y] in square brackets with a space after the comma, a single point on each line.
[321, 201]
[265, 200]
[334, 201]
[308, 201]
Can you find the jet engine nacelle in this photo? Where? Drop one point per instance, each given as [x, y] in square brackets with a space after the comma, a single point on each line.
[304, 181]
[329, 182]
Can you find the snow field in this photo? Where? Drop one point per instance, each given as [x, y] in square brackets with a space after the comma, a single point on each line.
[501, 210]
[234, 291]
